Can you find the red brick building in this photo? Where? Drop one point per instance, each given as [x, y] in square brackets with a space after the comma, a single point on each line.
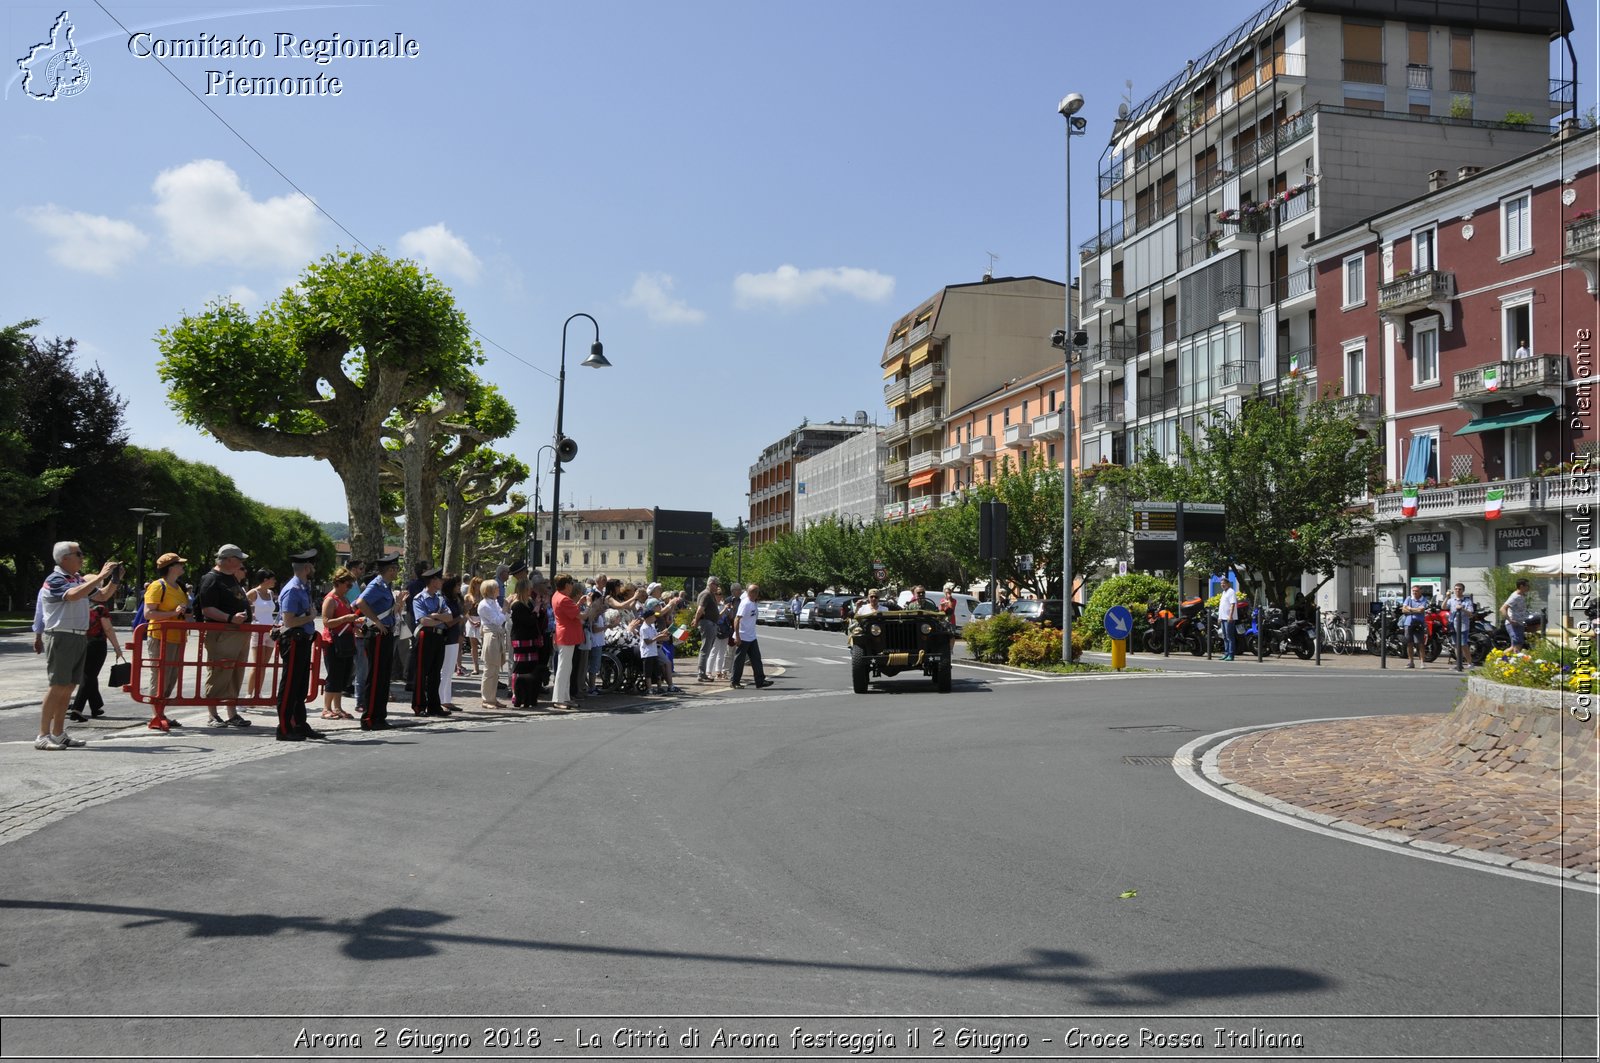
[1459, 325]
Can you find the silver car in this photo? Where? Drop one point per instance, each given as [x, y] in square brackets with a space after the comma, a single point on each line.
[773, 612]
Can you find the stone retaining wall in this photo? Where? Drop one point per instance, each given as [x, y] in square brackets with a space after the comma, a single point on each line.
[1498, 729]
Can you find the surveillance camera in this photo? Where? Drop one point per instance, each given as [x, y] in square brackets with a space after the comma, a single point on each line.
[1071, 104]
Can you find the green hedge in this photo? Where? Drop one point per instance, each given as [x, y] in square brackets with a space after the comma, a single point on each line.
[990, 640]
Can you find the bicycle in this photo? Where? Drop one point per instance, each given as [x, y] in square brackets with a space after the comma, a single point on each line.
[1337, 634]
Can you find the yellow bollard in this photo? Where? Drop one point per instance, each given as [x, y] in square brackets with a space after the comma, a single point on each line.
[1119, 654]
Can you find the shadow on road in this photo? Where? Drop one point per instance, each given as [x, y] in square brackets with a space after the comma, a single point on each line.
[410, 933]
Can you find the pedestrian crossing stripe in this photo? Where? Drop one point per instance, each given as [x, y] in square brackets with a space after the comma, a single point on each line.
[826, 660]
[779, 661]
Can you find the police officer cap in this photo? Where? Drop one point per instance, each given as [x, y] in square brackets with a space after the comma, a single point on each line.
[388, 562]
[518, 567]
[304, 557]
[433, 573]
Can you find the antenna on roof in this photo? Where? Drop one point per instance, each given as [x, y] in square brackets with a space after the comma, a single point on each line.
[993, 258]
[1127, 95]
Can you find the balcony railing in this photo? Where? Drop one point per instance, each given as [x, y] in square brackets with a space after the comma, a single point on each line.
[924, 375]
[1463, 81]
[1563, 93]
[980, 447]
[1104, 240]
[896, 391]
[896, 470]
[893, 348]
[1157, 404]
[1265, 147]
[926, 418]
[1363, 71]
[921, 504]
[1112, 350]
[1298, 282]
[1047, 426]
[1467, 500]
[1419, 77]
[1104, 415]
[1416, 291]
[1241, 374]
[894, 511]
[928, 459]
[1238, 297]
[953, 455]
[1583, 237]
[919, 333]
[1515, 377]
[897, 431]
[1363, 407]
[1019, 434]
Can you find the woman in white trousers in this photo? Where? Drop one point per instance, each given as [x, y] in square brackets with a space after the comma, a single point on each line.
[492, 618]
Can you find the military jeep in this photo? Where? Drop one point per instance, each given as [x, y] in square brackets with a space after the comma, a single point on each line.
[896, 640]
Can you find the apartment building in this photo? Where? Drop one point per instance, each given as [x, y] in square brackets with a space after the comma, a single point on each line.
[944, 355]
[1464, 319]
[773, 485]
[617, 542]
[1309, 115]
[1018, 420]
[844, 482]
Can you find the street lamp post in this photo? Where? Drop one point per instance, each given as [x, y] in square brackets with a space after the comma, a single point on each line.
[533, 536]
[566, 448]
[740, 533]
[140, 513]
[1069, 107]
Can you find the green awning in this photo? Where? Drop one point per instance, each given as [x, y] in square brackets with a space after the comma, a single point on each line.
[1506, 420]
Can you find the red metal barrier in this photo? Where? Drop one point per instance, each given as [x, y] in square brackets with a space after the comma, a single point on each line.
[260, 683]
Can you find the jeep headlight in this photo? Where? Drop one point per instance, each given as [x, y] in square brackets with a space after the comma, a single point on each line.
[927, 628]
[876, 630]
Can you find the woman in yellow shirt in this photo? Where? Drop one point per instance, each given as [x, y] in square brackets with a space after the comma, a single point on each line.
[164, 600]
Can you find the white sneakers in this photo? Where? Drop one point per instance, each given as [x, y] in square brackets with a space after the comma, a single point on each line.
[60, 741]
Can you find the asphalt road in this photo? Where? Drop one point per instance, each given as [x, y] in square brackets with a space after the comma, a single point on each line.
[799, 851]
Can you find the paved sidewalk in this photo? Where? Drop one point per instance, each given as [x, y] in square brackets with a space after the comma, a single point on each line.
[1363, 775]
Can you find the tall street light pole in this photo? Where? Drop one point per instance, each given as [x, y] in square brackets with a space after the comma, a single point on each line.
[1069, 107]
[141, 513]
[533, 536]
[566, 449]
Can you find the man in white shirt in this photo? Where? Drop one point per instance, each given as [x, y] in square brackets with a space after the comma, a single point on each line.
[744, 640]
[1227, 609]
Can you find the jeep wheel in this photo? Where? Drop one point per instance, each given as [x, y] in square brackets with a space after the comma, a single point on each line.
[860, 670]
[941, 676]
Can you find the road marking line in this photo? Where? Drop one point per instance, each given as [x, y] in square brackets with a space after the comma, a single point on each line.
[828, 660]
[1205, 779]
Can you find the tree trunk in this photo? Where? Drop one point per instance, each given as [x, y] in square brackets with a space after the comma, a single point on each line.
[359, 471]
[419, 493]
[453, 549]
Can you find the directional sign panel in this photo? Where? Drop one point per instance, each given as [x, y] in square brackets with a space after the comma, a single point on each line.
[1119, 622]
[1151, 524]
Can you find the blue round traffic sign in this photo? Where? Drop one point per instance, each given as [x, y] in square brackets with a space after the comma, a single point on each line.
[1119, 622]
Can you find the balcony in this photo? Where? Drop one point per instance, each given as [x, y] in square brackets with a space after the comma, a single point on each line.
[925, 419]
[1463, 81]
[894, 511]
[952, 498]
[1240, 378]
[1243, 230]
[952, 456]
[980, 447]
[1107, 351]
[1296, 290]
[928, 459]
[1583, 248]
[1047, 426]
[1429, 290]
[896, 392]
[895, 471]
[919, 333]
[1104, 296]
[1466, 501]
[1020, 434]
[1238, 302]
[1153, 405]
[925, 378]
[1362, 407]
[1544, 375]
[1419, 78]
[1270, 146]
[892, 348]
[1104, 416]
[921, 504]
[897, 432]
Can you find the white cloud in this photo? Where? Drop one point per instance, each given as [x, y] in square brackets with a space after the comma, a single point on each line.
[210, 217]
[244, 295]
[652, 294]
[93, 243]
[788, 286]
[442, 251]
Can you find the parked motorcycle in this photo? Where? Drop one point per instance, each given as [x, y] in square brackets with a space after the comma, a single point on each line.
[1166, 629]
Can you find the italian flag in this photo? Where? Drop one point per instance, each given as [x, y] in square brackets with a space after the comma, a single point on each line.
[1491, 378]
[1408, 501]
[1492, 500]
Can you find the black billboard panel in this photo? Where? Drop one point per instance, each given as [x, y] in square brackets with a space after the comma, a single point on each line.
[682, 545]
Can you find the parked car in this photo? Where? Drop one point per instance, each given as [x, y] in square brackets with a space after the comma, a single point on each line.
[983, 611]
[806, 610]
[831, 612]
[774, 612]
[1043, 611]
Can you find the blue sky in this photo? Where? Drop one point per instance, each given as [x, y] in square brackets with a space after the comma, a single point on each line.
[745, 195]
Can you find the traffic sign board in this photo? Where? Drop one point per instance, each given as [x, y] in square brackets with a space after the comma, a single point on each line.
[1119, 622]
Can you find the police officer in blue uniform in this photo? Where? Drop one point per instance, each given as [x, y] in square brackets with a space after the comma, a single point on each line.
[429, 612]
[377, 604]
[297, 630]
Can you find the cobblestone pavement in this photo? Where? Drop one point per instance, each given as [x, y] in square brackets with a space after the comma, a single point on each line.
[1361, 775]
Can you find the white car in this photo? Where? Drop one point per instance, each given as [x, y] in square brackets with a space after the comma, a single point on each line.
[965, 605]
[773, 612]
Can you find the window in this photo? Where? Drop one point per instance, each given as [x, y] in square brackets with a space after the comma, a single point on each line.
[988, 425]
[605, 558]
[1363, 51]
[1355, 369]
[1355, 281]
[641, 533]
[988, 469]
[1423, 244]
[1005, 417]
[1516, 225]
[586, 557]
[1024, 410]
[1517, 326]
[1425, 354]
[566, 557]
[638, 557]
[1519, 452]
[1052, 454]
[1427, 441]
[1052, 400]
[604, 533]
[586, 535]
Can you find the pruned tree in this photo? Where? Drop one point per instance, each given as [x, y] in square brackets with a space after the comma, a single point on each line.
[474, 489]
[318, 372]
